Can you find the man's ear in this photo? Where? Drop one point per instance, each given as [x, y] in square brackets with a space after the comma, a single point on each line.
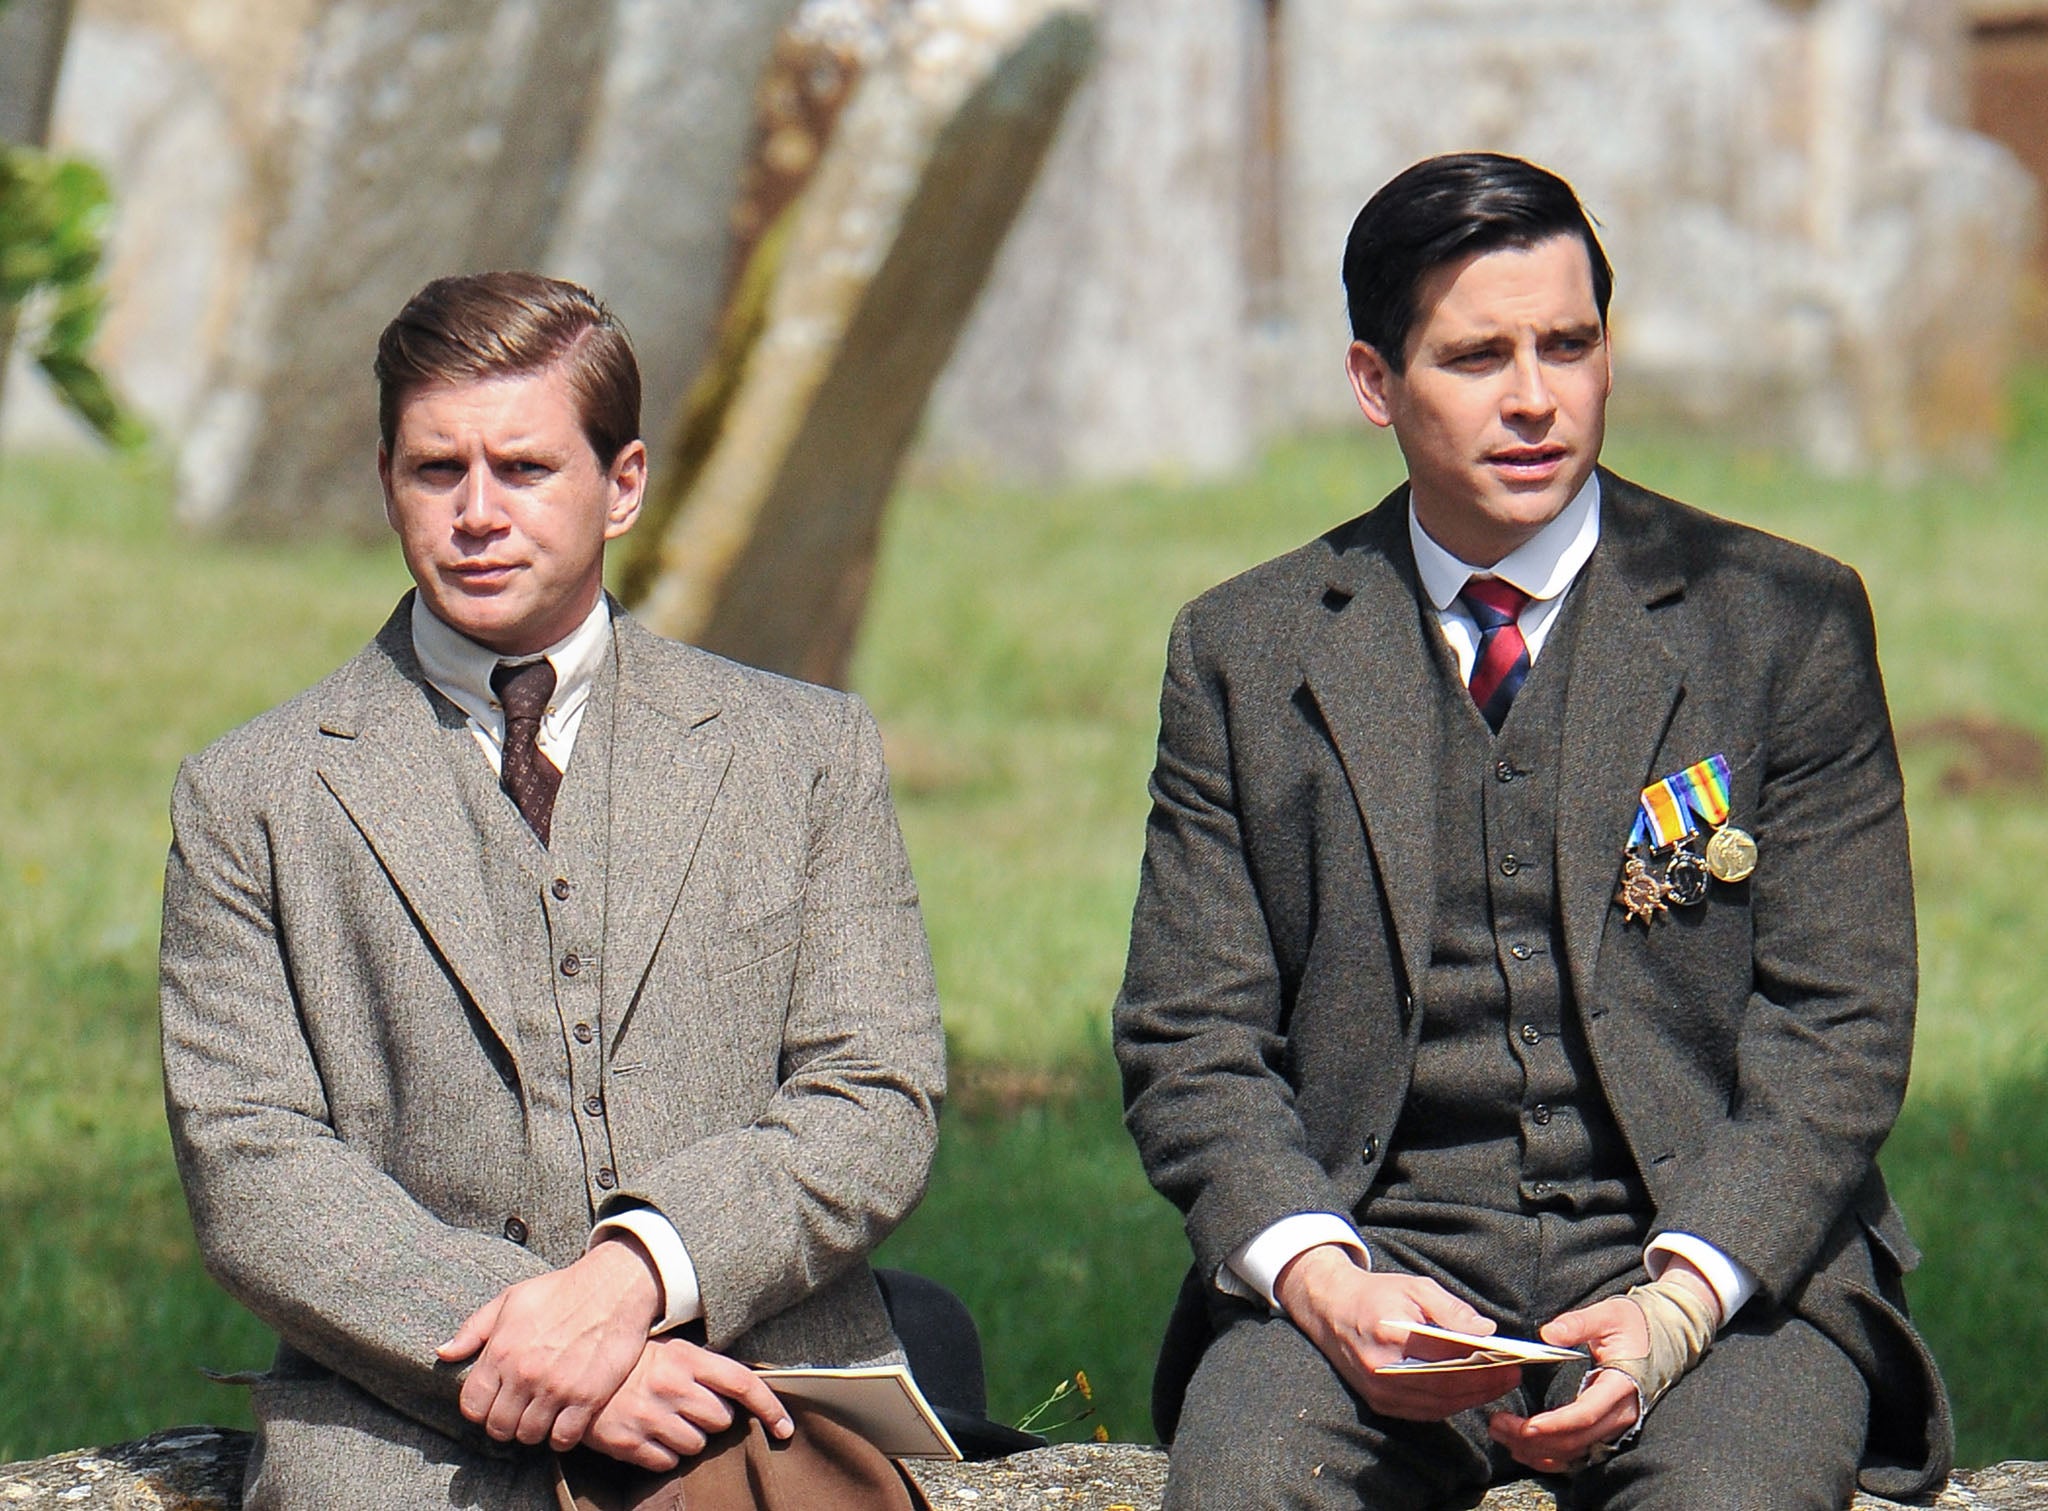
[1372, 382]
[384, 482]
[627, 480]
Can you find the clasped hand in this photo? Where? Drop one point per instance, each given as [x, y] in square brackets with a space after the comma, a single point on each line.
[1360, 1321]
[564, 1358]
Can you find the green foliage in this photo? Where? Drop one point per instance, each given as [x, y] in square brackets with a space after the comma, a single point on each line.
[52, 229]
[1013, 657]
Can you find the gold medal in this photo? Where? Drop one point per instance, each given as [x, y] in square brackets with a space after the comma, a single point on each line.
[1731, 854]
[1641, 893]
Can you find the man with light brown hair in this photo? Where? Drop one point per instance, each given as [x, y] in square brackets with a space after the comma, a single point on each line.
[548, 1023]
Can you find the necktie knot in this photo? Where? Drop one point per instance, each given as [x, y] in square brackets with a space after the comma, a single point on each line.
[1502, 661]
[529, 778]
[1493, 602]
[524, 689]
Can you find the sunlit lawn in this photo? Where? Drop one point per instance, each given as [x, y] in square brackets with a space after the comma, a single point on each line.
[1013, 656]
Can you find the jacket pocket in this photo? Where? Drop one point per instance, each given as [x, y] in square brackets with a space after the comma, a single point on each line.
[749, 944]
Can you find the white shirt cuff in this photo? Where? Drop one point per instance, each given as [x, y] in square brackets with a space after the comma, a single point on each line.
[1253, 1269]
[1732, 1284]
[680, 1293]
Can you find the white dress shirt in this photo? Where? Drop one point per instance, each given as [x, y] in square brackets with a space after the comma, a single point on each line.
[460, 670]
[1543, 566]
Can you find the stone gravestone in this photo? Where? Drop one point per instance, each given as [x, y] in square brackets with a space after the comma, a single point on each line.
[1114, 338]
[646, 218]
[760, 539]
[420, 137]
[31, 48]
[287, 172]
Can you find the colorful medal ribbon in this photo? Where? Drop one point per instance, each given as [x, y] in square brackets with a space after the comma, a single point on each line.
[1665, 814]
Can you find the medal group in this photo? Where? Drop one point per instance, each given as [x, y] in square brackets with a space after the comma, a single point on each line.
[1664, 865]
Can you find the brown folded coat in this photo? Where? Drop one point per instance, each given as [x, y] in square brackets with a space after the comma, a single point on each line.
[742, 1469]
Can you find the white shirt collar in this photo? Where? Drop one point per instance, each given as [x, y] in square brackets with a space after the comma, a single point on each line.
[1542, 566]
[461, 669]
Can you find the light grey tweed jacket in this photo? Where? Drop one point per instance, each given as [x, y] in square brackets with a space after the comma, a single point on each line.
[345, 1088]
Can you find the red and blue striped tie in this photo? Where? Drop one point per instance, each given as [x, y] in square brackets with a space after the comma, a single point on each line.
[1503, 660]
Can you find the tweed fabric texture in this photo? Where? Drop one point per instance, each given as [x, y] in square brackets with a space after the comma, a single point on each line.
[1753, 1052]
[361, 1101]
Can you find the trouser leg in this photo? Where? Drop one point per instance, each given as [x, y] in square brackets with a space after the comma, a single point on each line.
[1772, 1419]
[1269, 1426]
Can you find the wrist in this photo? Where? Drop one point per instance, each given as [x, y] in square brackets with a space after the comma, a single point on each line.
[1682, 1271]
[630, 1275]
[1310, 1270]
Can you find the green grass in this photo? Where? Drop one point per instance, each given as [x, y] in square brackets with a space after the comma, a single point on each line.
[1013, 656]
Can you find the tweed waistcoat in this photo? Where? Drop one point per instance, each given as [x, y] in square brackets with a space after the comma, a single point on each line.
[1505, 1131]
[548, 904]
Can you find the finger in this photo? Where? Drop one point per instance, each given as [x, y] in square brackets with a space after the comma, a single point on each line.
[705, 1408]
[536, 1422]
[1613, 1322]
[569, 1428]
[479, 1393]
[635, 1440]
[679, 1437]
[1403, 1399]
[508, 1410]
[654, 1456]
[474, 1332]
[1445, 1310]
[1570, 1430]
[732, 1379]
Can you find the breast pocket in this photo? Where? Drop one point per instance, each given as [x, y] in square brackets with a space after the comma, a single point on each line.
[745, 946]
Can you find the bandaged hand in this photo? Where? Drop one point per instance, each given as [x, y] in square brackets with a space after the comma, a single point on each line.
[1681, 1326]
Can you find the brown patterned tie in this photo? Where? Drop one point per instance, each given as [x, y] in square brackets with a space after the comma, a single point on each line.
[529, 778]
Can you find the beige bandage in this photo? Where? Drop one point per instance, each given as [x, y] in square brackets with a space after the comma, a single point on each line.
[1681, 1328]
[1681, 1331]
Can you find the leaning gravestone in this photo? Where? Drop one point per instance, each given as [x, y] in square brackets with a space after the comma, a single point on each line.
[760, 537]
[200, 1469]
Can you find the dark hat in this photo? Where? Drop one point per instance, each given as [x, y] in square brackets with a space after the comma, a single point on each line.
[944, 1349]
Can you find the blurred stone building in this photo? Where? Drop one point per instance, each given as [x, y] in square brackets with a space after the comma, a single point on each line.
[1813, 248]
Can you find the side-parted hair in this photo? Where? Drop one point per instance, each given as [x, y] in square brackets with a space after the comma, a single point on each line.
[1443, 209]
[476, 326]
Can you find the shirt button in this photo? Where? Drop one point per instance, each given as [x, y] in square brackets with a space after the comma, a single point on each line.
[606, 1179]
[1510, 864]
[515, 1230]
[585, 1033]
[594, 1106]
[1531, 1034]
[561, 889]
[1372, 1146]
[1540, 1114]
[1541, 1188]
[1503, 772]
[1520, 951]
[571, 964]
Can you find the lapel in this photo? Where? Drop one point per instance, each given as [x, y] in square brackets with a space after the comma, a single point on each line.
[1370, 672]
[670, 751]
[1625, 685]
[382, 760]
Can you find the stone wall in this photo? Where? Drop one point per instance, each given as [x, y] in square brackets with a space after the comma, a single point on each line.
[1811, 249]
[199, 1469]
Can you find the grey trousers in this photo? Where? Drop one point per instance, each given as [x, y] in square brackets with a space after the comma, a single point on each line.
[1773, 1419]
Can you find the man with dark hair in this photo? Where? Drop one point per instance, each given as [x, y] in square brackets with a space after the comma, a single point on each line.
[1524, 947]
[548, 1024]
